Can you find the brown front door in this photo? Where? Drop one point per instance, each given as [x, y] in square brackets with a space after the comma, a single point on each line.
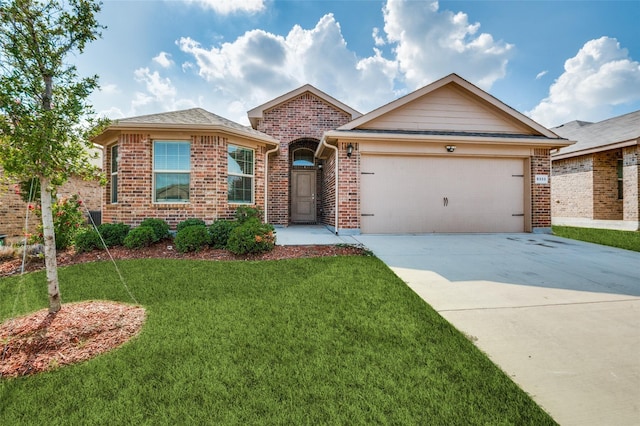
[303, 196]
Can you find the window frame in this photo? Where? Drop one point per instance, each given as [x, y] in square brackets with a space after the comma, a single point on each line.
[114, 160]
[293, 158]
[156, 172]
[620, 178]
[242, 175]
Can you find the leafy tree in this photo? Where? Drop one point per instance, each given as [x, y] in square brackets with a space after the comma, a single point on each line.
[45, 120]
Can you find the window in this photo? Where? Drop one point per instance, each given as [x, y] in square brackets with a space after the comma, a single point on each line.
[303, 157]
[171, 171]
[114, 174]
[240, 174]
[620, 181]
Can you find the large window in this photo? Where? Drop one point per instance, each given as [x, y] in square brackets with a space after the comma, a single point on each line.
[620, 181]
[240, 174]
[171, 171]
[114, 174]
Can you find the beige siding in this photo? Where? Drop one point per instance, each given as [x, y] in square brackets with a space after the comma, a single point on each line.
[447, 109]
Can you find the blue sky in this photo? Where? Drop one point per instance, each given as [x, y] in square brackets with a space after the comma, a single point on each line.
[555, 61]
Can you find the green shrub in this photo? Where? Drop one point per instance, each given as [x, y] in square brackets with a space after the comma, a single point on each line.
[87, 239]
[245, 213]
[114, 234]
[192, 238]
[190, 222]
[159, 226]
[251, 237]
[220, 231]
[67, 220]
[142, 236]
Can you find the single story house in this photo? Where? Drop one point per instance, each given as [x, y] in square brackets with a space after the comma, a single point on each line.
[596, 182]
[448, 157]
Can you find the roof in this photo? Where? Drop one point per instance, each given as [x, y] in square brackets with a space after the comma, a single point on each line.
[256, 113]
[612, 133]
[188, 119]
[458, 81]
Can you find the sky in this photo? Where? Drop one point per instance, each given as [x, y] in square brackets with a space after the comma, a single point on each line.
[554, 61]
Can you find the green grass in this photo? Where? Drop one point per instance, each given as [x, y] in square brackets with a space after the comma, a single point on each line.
[629, 240]
[336, 340]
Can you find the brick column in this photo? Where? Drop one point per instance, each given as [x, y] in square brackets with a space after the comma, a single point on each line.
[540, 193]
[631, 181]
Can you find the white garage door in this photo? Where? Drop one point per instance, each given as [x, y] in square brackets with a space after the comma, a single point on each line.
[403, 194]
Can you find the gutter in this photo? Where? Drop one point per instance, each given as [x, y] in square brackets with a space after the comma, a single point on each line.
[266, 182]
[335, 149]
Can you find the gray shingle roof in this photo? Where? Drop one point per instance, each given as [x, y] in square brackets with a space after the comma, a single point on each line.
[190, 117]
[595, 135]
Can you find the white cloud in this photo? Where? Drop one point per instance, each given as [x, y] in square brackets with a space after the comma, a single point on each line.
[600, 76]
[260, 65]
[377, 38]
[431, 44]
[541, 74]
[110, 89]
[163, 59]
[226, 7]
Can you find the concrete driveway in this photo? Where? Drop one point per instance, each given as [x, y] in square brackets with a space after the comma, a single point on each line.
[561, 317]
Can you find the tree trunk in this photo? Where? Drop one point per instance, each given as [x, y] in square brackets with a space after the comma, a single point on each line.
[49, 246]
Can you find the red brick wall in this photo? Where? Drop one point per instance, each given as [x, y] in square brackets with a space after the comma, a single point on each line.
[13, 210]
[606, 205]
[348, 188]
[208, 185]
[303, 117]
[540, 193]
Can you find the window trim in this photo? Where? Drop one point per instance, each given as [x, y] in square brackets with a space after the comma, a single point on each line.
[293, 157]
[114, 174]
[169, 171]
[252, 176]
[620, 179]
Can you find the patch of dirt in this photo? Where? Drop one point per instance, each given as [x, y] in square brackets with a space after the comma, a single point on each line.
[79, 331]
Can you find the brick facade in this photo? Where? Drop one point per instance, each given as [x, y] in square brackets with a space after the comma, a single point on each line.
[631, 182]
[540, 193]
[305, 117]
[208, 182]
[586, 186]
[13, 210]
[572, 189]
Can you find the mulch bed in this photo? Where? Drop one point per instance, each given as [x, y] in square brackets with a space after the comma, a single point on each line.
[166, 250]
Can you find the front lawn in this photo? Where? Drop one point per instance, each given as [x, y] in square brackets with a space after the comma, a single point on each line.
[629, 240]
[337, 340]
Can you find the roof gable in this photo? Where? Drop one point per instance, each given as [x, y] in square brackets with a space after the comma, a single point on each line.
[258, 112]
[449, 104]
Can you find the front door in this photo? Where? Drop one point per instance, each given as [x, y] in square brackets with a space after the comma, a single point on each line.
[303, 196]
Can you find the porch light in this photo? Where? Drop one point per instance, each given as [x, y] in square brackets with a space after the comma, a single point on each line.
[450, 148]
[349, 150]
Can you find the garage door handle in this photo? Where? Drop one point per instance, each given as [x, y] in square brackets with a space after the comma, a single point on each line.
[446, 201]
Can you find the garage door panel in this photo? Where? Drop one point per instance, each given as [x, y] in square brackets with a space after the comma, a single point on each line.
[402, 194]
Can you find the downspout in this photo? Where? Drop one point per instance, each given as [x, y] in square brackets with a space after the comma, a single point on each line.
[335, 149]
[266, 183]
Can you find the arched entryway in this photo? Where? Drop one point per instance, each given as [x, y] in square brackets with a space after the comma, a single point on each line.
[304, 182]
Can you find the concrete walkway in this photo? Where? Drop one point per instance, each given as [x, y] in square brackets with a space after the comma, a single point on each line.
[560, 317]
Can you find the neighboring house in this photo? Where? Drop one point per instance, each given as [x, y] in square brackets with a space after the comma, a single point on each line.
[13, 210]
[446, 158]
[596, 181]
